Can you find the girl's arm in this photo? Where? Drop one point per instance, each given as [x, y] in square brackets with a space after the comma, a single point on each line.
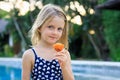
[26, 65]
[65, 63]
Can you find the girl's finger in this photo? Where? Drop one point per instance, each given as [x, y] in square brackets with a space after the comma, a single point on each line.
[60, 55]
[60, 61]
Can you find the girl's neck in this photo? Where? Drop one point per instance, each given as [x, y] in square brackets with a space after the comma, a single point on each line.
[45, 45]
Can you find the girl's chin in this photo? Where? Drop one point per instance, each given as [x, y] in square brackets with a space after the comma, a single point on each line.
[52, 42]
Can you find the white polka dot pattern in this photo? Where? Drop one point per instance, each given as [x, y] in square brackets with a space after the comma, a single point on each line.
[46, 70]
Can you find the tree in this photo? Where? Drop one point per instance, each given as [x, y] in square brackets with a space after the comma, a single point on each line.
[80, 30]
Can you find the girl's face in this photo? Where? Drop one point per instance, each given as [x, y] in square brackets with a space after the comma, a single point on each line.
[52, 31]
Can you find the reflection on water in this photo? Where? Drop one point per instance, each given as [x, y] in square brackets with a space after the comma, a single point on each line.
[96, 70]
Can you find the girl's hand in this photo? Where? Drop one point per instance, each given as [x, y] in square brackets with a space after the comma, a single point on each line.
[62, 55]
[63, 58]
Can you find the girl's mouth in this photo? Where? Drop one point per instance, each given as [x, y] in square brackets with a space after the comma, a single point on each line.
[53, 37]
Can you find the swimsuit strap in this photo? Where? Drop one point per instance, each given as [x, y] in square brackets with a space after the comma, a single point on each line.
[34, 53]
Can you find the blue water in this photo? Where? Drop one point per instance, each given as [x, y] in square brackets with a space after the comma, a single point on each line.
[9, 73]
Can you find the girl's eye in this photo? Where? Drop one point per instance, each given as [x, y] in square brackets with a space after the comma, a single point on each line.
[50, 26]
[60, 29]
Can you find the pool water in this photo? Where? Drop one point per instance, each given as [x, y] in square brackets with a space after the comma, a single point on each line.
[96, 70]
[9, 73]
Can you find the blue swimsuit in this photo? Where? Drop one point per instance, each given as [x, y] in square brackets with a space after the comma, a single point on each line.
[46, 70]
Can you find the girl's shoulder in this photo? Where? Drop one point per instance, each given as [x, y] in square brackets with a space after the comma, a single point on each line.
[28, 54]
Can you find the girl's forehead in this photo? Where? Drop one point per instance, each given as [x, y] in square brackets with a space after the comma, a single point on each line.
[55, 20]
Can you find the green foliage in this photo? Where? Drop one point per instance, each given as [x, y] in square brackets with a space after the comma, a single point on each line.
[74, 36]
[3, 13]
[80, 46]
[75, 31]
[111, 21]
[88, 51]
[73, 56]
[115, 54]
[2, 54]
[8, 51]
[101, 1]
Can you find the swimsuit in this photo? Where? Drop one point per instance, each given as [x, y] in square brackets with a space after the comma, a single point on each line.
[46, 70]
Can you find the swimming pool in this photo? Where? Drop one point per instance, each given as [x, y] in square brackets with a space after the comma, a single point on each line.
[10, 69]
[9, 73]
[96, 70]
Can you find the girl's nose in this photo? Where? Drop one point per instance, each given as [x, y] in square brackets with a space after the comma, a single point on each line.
[55, 31]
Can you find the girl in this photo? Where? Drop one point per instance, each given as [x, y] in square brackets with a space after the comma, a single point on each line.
[42, 62]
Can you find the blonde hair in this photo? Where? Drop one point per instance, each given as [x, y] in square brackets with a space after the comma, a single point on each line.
[46, 13]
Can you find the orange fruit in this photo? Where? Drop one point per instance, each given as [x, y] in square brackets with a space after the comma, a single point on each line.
[58, 46]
